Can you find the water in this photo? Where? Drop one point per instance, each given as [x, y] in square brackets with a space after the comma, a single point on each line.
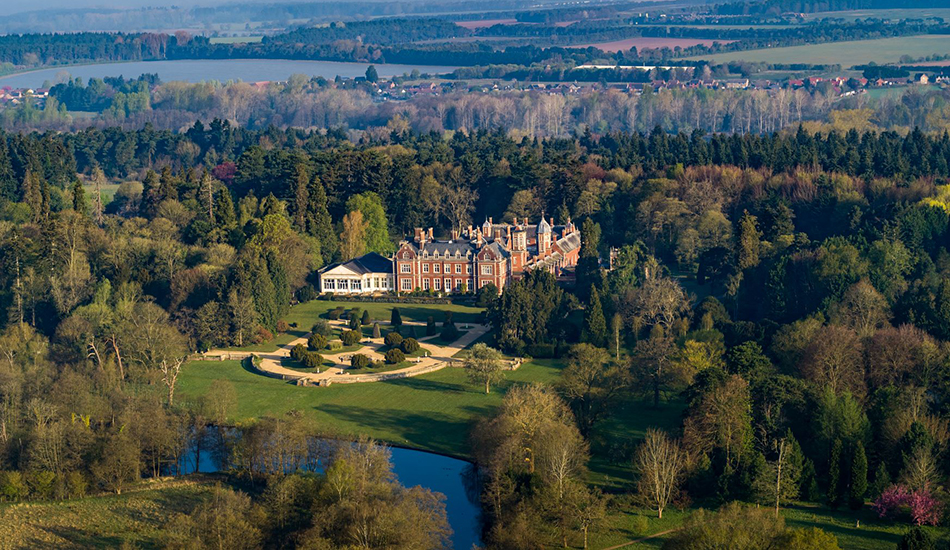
[441, 474]
[248, 70]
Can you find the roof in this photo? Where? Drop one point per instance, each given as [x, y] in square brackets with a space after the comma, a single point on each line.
[544, 226]
[367, 263]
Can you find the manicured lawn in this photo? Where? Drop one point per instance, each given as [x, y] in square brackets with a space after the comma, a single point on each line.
[433, 412]
[99, 522]
[306, 314]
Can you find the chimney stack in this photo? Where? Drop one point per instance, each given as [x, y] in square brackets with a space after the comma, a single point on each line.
[420, 236]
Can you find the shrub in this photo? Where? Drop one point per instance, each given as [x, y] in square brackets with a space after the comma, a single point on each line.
[316, 342]
[396, 317]
[360, 361]
[282, 326]
[354, 322]
[486, 295]
[916, 539]
[351, 337]
[395, 356]
[430, 326]
[334, 345]
[450, 333]
[322, 327]
[335, 313]
[409, 345]
[448, 319]
[376, 332]
[42, 484]
[298, 352]
[542, 351]
[262, 335]
[306, 294]
[76, 485]
[393, 339]
[12, 486]
[365, 320]
[312, 360]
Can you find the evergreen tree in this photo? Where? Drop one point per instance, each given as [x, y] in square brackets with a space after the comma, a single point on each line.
[8, 183]
[151, 188]
[595, 325]
[882, 480]
[917, 539]
[859, 477]
[431, 329]
[79, 197]
[365, 320]
[377, 227]
[301, 197]
[371, 74]
[32, 195]
[320, 223]
[376, 332]
[168, 186]
[749, 241]
[395, 318]
[588, 271]
[809, 482]
[833, 495]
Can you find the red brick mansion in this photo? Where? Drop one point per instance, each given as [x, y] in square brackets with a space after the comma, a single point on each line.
[492, 253]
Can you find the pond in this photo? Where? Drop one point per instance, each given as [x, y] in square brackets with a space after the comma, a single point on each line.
[247, 70]
[438, 473]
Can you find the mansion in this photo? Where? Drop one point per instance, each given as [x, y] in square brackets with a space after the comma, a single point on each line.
[492, 253]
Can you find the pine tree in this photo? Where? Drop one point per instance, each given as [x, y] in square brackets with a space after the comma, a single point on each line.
[749, 241]
[834, 475]
[859, 477]
[301, 192]
[32, 195]
[595, 326]
[320, 223]
[79, 197]
[882, 480]
[150, 194]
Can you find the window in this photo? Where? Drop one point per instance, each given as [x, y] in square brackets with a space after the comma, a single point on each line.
[438, 284]
[436, 267]
[484, 283]
[405, 268]
[425, 268]
[486, 270]
[406, 284]
[458, 268]
[448, 285]
[329, 284]
[344, 284]
[468, 269]
[448, 268]
[355, 284]
[425, 284]
[458, 284]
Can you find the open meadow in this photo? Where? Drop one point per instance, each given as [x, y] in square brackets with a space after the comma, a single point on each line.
[846, 54]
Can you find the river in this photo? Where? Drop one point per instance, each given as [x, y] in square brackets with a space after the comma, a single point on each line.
[438, 473]
[247, 70]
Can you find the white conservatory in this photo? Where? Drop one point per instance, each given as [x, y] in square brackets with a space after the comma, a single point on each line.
[368, 274]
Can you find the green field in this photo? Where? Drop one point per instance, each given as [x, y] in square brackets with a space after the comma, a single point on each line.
[108, 192]
[433, 412]
[851, 15]
[136, 517]
[235, 39]
[846, 54]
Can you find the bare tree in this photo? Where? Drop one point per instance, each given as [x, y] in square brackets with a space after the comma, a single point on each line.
[660, 461]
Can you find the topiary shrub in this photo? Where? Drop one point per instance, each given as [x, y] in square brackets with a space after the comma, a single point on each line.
[322, 327]
[316, 342]
[448, 319]
[354, 319]
[282, 326]
[393, 339]
[396, 317]
[360, 361]
[334, 345]
[376, 332]
[297, 352]
[395, 356]
[365, 320]
[450, 333]
[312, 360]
[350, 337]
[335, 313]
[431, 330]
[409, 345]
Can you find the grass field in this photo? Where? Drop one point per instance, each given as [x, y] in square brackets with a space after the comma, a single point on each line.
[235, 39]
[108, 192]
[135, 517]
[846, 54]
[851, 15]
[433, 412]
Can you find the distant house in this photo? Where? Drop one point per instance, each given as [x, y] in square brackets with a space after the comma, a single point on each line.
[922, 78]
[367, 274]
